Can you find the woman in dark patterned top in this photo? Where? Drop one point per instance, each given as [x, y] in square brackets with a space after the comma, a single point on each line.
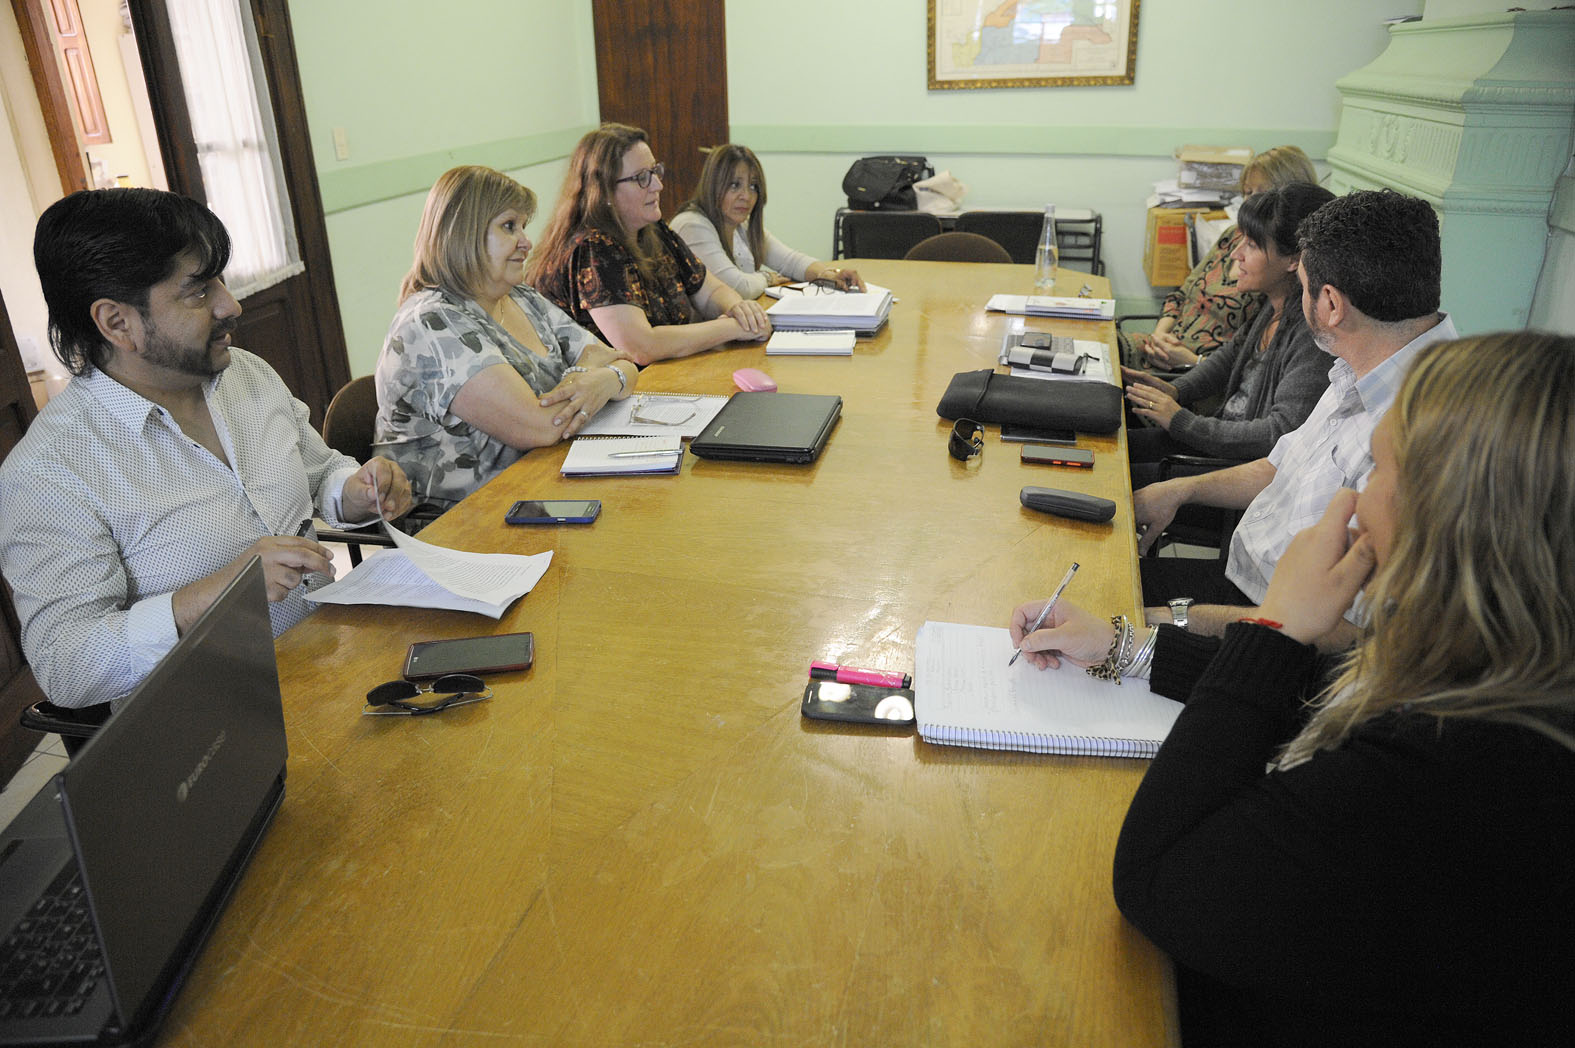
[610, 261]
[1208, 308]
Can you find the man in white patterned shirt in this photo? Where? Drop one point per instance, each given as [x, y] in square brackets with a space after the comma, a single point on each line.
[169, 460]
[1370, 268]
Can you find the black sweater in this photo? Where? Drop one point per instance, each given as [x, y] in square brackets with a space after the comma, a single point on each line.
[1412, 886]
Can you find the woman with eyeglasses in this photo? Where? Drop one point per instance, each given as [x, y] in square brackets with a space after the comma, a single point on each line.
[478, 368]
[611, 263]
[724, 224]
[1384, 858]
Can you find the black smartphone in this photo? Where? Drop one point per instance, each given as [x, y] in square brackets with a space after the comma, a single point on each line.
[554, 511]
[495, 653]
[858, 703]
[1080, 457]
[1036, 340]
[1030, 435]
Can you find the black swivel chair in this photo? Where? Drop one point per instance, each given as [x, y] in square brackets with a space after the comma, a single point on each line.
[885, 234]
[1016, 231]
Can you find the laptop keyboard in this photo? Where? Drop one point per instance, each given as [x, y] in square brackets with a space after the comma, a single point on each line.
[50, 962]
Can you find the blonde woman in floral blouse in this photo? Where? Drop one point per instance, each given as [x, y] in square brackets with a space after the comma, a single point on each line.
[478, 368]
[1207, 310]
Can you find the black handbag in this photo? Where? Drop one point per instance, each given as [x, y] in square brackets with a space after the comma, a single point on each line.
[988, 396]
[885, 183]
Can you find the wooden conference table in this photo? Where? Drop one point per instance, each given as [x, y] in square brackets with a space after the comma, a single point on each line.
[639, 840]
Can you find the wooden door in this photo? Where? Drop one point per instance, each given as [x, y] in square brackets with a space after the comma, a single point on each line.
[294, 325]
[661, 65]
[18, 690]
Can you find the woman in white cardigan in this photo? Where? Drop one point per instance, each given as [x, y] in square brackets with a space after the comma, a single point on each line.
[724, 225]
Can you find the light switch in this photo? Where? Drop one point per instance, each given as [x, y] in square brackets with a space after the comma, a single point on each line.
[341, 144]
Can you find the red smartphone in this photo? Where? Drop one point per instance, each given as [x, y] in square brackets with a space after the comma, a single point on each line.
[1041, 454]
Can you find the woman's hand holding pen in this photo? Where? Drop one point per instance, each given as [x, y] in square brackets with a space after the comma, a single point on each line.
[1069, 632]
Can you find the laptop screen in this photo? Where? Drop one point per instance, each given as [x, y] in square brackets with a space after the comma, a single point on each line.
[165, 798]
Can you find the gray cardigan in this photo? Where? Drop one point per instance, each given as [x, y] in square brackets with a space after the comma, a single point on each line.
[1295, 372]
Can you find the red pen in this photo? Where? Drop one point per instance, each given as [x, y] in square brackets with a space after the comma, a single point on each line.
[849, 675]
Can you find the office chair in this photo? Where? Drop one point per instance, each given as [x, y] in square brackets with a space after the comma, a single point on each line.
[1016, 231]
[957, 247]
[74, 725]
[885, 234]
[347, 427]
[1207, 526]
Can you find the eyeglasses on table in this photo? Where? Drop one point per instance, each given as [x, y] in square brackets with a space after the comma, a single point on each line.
[394, 698]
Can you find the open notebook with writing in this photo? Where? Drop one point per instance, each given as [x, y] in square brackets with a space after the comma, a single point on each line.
[966, 695]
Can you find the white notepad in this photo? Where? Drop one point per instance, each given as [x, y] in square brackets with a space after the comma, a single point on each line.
[837, 343]
[965, 695]
[614, 456]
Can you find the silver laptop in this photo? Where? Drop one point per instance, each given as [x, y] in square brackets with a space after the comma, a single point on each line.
[113, 876]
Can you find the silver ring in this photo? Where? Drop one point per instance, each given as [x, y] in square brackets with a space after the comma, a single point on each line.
[582, 411]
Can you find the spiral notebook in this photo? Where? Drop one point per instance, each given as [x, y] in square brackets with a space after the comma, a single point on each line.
[622, 456]
[965, 695]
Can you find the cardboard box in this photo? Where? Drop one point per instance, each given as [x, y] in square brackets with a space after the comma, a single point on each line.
[1167, 247]
[1211, 167]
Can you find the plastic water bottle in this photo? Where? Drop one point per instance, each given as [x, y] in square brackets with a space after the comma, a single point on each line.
[1048, 255]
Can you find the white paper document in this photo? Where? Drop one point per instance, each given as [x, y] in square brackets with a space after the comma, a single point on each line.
[420, 575]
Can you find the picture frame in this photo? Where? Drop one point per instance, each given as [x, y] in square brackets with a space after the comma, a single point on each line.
[1031, 43]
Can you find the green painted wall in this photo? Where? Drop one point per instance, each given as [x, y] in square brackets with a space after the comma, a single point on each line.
[511, 83]
[836, 81]
[418, 89]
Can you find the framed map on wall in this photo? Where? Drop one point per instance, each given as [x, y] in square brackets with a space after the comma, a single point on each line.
[1032, 43]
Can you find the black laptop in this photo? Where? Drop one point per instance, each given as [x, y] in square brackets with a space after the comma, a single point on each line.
[769, 427]
[113, 875]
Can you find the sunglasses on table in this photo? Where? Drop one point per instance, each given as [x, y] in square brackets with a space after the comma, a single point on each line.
[642, 178]
[395, 698]
[967, 439]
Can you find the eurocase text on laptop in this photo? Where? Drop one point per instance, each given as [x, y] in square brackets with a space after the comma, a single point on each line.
[113, 876]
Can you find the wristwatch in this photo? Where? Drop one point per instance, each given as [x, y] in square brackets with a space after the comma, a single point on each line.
[1178, 610]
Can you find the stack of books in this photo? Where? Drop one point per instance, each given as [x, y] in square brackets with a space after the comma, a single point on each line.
[863, 311]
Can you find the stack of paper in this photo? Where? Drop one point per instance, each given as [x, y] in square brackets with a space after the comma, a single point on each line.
[863, 311]
[621, 456]
[420, 575]
[1054, 306]
[831, 343]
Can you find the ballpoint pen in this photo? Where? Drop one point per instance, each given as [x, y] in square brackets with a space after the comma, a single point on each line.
[1045, 611]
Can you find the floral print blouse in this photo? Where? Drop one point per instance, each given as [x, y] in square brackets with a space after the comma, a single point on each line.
[602, 272]
[1207, 307]
[436, 343]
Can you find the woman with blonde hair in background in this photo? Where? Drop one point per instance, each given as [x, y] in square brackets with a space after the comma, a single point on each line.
[1390, 864]
[1207, 309]
[724, 224]
[611, 263]
[477, 368]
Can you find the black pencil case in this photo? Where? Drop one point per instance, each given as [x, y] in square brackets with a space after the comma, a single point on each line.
[989, 396]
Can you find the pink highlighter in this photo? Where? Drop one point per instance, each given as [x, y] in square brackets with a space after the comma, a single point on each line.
[849, 675]
[753, 380]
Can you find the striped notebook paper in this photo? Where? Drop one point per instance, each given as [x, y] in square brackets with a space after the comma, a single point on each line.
[964, 695]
